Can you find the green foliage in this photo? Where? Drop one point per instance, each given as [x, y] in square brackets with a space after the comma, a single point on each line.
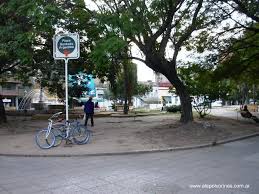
[16, 34]
[240, 59]
[142, 89]
[27, 28]
[205, 87]
[203, 108]
[174, 108]
[131, 86]
[239, 65]
[114, 107]
[154, 26]
[105, 56]
[199, 82]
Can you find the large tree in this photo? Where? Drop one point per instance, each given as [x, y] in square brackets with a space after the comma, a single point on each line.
[126, 84]
[160, 29]
[233, 47]
[239, 63]
[26, 32]
[16, 36]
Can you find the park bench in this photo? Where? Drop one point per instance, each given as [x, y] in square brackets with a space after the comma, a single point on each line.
[247, 115]
[241, 113]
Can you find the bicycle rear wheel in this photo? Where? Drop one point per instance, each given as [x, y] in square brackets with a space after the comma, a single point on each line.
[81, 134]
[45, 139]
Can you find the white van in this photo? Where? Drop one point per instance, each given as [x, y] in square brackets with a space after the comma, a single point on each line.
[216, 103]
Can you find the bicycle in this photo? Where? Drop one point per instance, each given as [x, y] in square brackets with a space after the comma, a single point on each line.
[56, 132]
[73, 131]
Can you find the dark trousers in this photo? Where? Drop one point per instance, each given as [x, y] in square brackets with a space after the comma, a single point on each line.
[91, 115]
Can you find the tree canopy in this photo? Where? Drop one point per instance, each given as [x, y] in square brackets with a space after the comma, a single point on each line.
[160, 30]
[240, 60]
[200, 82]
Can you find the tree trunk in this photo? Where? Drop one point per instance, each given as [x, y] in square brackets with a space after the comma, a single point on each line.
[168, 69]
[125, 108]
[2, 111]
[181, 90]
[186, 106]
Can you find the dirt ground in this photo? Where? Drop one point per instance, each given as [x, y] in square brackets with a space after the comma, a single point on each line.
[201, 131]
[149, 131]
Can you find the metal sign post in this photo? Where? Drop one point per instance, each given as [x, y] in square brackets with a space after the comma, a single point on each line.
[66, 86]
[66, 46]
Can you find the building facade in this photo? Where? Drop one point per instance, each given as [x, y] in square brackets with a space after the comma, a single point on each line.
[160, 96]
[12, 92]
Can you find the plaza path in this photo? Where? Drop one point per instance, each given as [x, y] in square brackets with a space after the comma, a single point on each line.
[229, 168]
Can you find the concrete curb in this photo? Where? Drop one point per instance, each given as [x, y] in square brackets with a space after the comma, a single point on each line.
[137, 115]
[139, 151]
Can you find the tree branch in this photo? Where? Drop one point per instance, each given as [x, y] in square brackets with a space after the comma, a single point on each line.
[242, 25]
[138, 59]
[243, 9]
[192, 27]
[167, 35]
[9, 68]
[170, 15]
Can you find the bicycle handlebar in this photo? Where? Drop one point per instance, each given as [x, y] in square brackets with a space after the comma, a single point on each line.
[55, 115]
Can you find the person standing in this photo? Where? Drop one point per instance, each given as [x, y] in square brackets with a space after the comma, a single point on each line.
[89, 111]
[96, 105]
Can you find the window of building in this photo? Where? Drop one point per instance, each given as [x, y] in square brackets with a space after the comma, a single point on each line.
[100, 96]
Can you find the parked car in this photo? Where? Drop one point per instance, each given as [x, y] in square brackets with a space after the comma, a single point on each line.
[216, 103]
[252, 101]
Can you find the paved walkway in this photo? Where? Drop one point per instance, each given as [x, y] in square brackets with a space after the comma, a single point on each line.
[230, 168]
[111, 135]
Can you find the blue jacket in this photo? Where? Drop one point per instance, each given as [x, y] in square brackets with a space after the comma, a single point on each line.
[89, 107]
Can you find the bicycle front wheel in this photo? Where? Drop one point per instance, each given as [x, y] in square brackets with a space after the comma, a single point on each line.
[58, 136]
[45, 139]
[81, 134]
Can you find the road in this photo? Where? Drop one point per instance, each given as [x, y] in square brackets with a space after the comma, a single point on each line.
[183, 172]
[229, 112]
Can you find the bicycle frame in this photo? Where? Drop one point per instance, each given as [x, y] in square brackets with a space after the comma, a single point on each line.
[50, 124]
[66, 127]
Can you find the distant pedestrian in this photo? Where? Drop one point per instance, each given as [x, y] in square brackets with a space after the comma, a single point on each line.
[89, 111]
[96, 105]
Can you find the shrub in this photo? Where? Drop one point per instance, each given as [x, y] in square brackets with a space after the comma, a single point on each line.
[174, 108]
[114, 107]
[203, 109]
